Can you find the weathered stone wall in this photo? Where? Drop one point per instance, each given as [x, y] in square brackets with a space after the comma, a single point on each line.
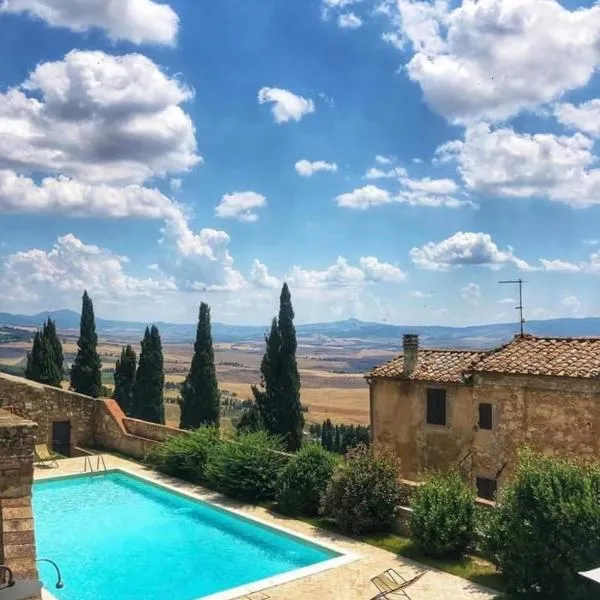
[556, 415]
[46, 404]
[399, 409]
[559, 416]
[17, 542]
[131, 437]
[151, 431]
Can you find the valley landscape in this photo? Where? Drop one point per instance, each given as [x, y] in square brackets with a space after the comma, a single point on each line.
[332, 357]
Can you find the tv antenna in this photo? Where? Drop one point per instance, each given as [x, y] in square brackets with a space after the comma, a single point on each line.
[520, 307]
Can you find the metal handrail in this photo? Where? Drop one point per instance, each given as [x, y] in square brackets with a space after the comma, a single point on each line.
[87, 462]
[100, 459]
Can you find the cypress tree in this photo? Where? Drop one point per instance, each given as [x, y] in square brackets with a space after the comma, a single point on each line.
[291, 419]
[124, 378]
[150, 379]
[336, 439]
[54, 350]
[86, 377]
[279, 399]
[267, 398]
[200, 396]
[45, 361]
[34, 359]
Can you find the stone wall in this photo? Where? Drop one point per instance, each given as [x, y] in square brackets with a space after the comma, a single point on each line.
[46, 404]
[398, 420]
[131, 437]
[95, 422]
[559, 416]
[17, 542]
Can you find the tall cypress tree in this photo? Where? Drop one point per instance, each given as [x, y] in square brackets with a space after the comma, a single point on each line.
[34, 359]
[150, 379]
[267, 397]
[55, 350]
[45, 361]
[200, 396]
[124, 378]
[86, 377]
[291, 419]
[279, 400]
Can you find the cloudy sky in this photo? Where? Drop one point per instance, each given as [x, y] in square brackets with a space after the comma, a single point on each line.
[392, 160]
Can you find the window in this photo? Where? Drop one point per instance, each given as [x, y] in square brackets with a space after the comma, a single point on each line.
[486, 488]
[485, 415]
[436, 406]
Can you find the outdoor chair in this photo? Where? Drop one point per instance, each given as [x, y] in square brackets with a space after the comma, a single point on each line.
[392, 585]
[43, 456]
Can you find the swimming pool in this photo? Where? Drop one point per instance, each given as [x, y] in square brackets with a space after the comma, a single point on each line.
[116, 536]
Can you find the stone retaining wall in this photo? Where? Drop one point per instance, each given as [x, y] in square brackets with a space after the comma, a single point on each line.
[131, 437]
[45, 404]
[17, 541]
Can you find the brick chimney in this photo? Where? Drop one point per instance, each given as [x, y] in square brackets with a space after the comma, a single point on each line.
[410, 349]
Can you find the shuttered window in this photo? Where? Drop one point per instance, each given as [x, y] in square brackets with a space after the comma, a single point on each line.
[436, 406]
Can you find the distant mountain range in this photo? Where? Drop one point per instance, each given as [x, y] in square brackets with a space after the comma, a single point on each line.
[350, 332]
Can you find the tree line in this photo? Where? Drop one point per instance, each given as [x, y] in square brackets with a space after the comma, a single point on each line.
[139, 384]
[340, 438]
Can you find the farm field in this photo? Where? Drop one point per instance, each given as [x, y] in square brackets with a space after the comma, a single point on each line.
[332, 379]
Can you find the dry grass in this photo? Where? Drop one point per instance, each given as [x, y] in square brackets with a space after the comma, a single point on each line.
[350, 406]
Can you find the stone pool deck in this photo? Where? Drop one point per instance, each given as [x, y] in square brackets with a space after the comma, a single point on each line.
[350, 581]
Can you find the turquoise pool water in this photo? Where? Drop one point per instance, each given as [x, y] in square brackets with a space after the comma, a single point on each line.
[116, 537]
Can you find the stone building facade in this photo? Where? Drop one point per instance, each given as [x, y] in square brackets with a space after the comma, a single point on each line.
[442, 408]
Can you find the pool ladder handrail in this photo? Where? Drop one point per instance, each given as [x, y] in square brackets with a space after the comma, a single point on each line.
[99, 463]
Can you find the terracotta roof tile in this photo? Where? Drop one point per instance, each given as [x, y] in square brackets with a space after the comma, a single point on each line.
[559, 357]
[432, 365]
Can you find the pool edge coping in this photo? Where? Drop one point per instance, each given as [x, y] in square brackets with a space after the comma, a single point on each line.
[344, 557]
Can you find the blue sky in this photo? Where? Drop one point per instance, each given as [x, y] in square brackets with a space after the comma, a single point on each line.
[391, 159]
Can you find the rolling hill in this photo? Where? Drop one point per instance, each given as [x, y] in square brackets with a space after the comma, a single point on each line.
[352, 331]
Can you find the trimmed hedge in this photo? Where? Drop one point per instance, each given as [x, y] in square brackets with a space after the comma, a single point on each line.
[246, 467]
[363, 492]
[443, 516]
[547, 528]
[185, 456]
[304, 479]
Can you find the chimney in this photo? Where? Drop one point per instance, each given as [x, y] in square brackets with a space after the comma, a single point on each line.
[410, 349]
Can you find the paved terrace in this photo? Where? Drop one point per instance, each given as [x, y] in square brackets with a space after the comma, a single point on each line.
[346, 582]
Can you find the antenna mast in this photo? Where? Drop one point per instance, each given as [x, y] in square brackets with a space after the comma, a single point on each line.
[520, 307]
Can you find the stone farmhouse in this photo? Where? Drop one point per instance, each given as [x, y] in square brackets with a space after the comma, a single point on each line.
[439, 408]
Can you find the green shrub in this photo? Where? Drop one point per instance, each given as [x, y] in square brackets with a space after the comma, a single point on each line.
[246, 467]
[363, 492]
[303, 481]
[185, 456]
[547, 528]
[443, 516]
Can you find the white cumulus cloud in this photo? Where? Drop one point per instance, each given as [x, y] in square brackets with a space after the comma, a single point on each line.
[464, 249]
[363, 198]
[260, 277]
[307, 168]
[138, 21]
[342, 274]
[501, 161]
[489, 59]
[240, 206]
[71, 198]
[69, 267]
[287, 106]
[378, 271]
[583, 117]
[98, 118]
